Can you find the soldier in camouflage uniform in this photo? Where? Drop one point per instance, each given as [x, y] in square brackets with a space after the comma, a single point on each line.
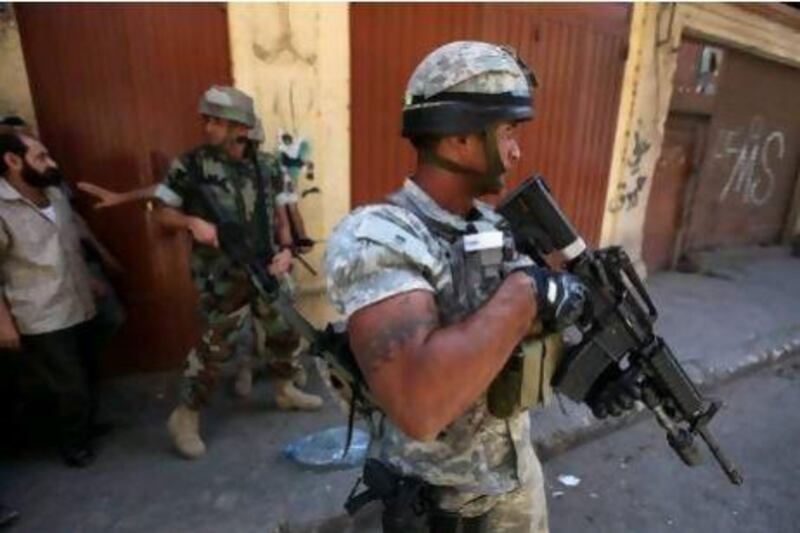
[227, 300]
[230, 309]
[438, 301]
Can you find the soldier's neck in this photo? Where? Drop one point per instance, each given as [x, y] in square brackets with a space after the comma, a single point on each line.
[447, 189]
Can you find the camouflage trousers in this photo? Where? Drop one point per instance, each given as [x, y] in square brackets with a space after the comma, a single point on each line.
[228, 342]
[523, 510]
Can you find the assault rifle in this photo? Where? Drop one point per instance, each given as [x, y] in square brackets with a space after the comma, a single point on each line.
[617, 334]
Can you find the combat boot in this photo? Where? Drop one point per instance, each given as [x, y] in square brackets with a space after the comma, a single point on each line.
[289, 397]
[184, 426]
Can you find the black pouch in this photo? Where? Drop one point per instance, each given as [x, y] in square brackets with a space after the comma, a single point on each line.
[406, 500]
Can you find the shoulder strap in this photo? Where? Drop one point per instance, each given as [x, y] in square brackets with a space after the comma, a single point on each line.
[400, 199]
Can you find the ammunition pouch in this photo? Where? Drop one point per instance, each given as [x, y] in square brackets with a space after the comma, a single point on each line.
[525, 381]
[407, 504]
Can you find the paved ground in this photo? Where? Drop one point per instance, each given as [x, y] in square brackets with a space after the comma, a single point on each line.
[747, 312]
[631, 482]
[743, 311]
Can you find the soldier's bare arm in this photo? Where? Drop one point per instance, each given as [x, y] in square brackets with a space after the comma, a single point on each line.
[424, 375]
[109, 198]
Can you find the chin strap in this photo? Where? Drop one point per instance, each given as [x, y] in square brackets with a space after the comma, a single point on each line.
[494, 164]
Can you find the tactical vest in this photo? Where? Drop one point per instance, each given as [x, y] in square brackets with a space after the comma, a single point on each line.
[479, 261]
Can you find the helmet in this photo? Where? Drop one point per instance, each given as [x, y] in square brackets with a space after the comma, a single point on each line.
[464, 87]
[228, 103]
[256, 133]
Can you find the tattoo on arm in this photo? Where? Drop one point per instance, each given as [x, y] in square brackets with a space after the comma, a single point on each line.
[408, 321]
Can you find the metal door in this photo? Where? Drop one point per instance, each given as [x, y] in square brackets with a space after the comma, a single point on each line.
[578, 52]
[115, 88]
[746, 182]
[665, 207]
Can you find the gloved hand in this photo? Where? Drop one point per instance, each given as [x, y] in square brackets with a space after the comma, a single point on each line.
[560, 297]
[616, 392]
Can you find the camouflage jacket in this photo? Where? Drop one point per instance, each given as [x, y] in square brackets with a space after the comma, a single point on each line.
[234, 184]
[383, 250]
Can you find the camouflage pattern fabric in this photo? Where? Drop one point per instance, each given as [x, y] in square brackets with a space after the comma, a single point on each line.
[462, 66]
[522, 510]
[229, 308]
[234, 185]
[230, 103]
[228, 340]
[380, 251]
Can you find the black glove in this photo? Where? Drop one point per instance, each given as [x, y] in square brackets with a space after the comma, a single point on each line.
[615, 392]
[560, 297]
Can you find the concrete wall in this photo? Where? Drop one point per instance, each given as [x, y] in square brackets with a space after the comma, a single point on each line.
[294, 60]
[647, 92]
[15, 94]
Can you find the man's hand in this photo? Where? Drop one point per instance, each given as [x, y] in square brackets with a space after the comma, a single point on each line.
[9, 336]
[281, 263]
[203, 232]
[615, 393]
[105, 198]
[560, 297]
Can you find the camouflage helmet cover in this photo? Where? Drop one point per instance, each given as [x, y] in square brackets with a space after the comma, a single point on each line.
[228, 103]
[464, 86]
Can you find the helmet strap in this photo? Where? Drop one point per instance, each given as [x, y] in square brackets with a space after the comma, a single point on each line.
[494, 164]
[432, 158]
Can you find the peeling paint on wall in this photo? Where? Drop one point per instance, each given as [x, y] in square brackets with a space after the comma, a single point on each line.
[294, 60]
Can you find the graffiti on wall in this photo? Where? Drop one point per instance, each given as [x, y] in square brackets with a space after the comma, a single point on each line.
[294, 153]
[754, 150]
[628, 191]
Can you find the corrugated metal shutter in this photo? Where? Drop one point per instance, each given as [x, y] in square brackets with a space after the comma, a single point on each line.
[577, 51]
[116, 90]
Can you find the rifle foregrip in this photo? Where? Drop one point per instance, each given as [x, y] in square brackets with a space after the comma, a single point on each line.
[670, 376]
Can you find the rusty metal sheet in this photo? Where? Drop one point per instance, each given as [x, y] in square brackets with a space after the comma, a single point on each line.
[115, 89]
[578, 52]
[665, 204]
[748, 175]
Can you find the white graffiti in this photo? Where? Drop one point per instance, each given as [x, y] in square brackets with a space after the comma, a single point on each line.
[752, 176]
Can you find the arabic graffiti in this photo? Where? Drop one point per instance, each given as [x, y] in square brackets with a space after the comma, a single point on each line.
[627, 195]
[753, 150]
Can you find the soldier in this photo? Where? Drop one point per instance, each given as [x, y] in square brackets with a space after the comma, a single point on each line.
[438, 304]
[228, 303]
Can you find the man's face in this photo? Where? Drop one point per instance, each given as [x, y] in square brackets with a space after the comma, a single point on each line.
[222, 132]
[36, 167]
